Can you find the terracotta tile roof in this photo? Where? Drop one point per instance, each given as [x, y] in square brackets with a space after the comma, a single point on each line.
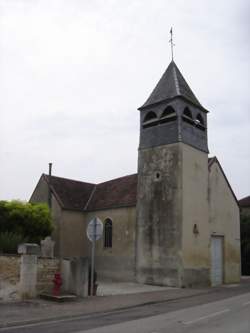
[120, 192]
[71, 194]
[76, 195]
[244, 202]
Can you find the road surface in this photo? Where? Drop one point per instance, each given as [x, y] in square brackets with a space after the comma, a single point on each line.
[199, 314]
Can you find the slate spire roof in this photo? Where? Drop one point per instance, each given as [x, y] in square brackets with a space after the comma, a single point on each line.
[171, 85]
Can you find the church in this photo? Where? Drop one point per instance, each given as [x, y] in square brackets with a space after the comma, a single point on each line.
[174, 223]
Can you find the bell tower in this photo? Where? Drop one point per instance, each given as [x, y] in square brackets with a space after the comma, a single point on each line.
[172, 185]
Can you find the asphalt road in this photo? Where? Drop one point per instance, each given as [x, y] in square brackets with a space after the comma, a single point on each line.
[224, 311]
[228, 316]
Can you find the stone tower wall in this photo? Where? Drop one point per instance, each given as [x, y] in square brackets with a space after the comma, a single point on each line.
[159, 217]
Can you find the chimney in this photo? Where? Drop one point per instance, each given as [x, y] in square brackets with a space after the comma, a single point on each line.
[50, 194]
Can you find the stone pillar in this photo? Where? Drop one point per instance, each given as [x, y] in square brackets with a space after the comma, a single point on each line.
[47, 247]
[75, 276]
[28, 270]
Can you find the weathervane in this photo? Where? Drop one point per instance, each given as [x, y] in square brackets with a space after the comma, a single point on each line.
[171, 42]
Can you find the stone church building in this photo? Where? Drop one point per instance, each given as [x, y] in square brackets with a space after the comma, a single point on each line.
[175, 222]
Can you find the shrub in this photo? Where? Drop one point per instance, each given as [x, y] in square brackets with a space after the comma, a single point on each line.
[27, 220]
[245, 244]
[9, 241]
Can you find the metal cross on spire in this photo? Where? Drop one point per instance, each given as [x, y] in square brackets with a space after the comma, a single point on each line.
[171, 42]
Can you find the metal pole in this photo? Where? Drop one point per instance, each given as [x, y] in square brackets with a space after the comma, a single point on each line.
[93, 259]
[172, 44]
[50, 194]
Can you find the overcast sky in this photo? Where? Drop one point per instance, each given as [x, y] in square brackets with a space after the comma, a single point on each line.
[74, 72]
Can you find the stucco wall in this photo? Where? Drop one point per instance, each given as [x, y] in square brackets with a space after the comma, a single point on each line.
[118, 262]
[195, 245]
[56, 218]
[40, 194]
[224, 220]
[72, 231]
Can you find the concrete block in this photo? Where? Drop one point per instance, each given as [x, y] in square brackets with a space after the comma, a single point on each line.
[75, 276]
[29, 248]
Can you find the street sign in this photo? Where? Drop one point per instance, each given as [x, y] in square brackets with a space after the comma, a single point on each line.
[94, 229]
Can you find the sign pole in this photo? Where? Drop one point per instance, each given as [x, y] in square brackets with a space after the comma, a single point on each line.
[93, 259]
[94, 232]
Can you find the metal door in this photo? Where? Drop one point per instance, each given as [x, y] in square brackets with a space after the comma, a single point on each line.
[216, 260]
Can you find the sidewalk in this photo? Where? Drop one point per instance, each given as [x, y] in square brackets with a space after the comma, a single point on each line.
[19, 313]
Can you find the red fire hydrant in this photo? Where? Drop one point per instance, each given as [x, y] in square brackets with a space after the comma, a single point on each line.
[57, 284]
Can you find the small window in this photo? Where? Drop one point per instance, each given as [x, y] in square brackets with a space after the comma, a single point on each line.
[150, 120]
[108, 233]
[168, 115]
[187, 116]
[199, 122]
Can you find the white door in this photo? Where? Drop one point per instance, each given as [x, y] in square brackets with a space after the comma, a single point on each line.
[216, 260]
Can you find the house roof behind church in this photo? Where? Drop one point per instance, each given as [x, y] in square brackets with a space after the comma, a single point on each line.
[172, 84]
[244, 202]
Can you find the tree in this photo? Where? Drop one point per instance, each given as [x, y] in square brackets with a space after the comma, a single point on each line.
[245, 244]
[23, 221]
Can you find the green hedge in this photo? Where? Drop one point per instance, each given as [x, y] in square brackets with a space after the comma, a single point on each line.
[245, 244]
[9, 242]
[23, 221]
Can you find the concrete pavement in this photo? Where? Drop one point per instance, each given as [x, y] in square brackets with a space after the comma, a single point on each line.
[16, 313]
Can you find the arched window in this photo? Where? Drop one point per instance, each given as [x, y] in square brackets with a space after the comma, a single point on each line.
[108, 233]
[187, 116]
[199, 122]
[199, 119]
[150, 116]
[187, 113]
[150, 120]
[168, 115]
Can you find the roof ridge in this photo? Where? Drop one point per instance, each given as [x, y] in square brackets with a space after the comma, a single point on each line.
[133, 174]
[177, 86]
[72, 180]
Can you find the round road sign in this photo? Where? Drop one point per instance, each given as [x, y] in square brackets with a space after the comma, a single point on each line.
[94, 229]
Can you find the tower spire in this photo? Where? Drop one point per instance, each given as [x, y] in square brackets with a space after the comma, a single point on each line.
[171, 43]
